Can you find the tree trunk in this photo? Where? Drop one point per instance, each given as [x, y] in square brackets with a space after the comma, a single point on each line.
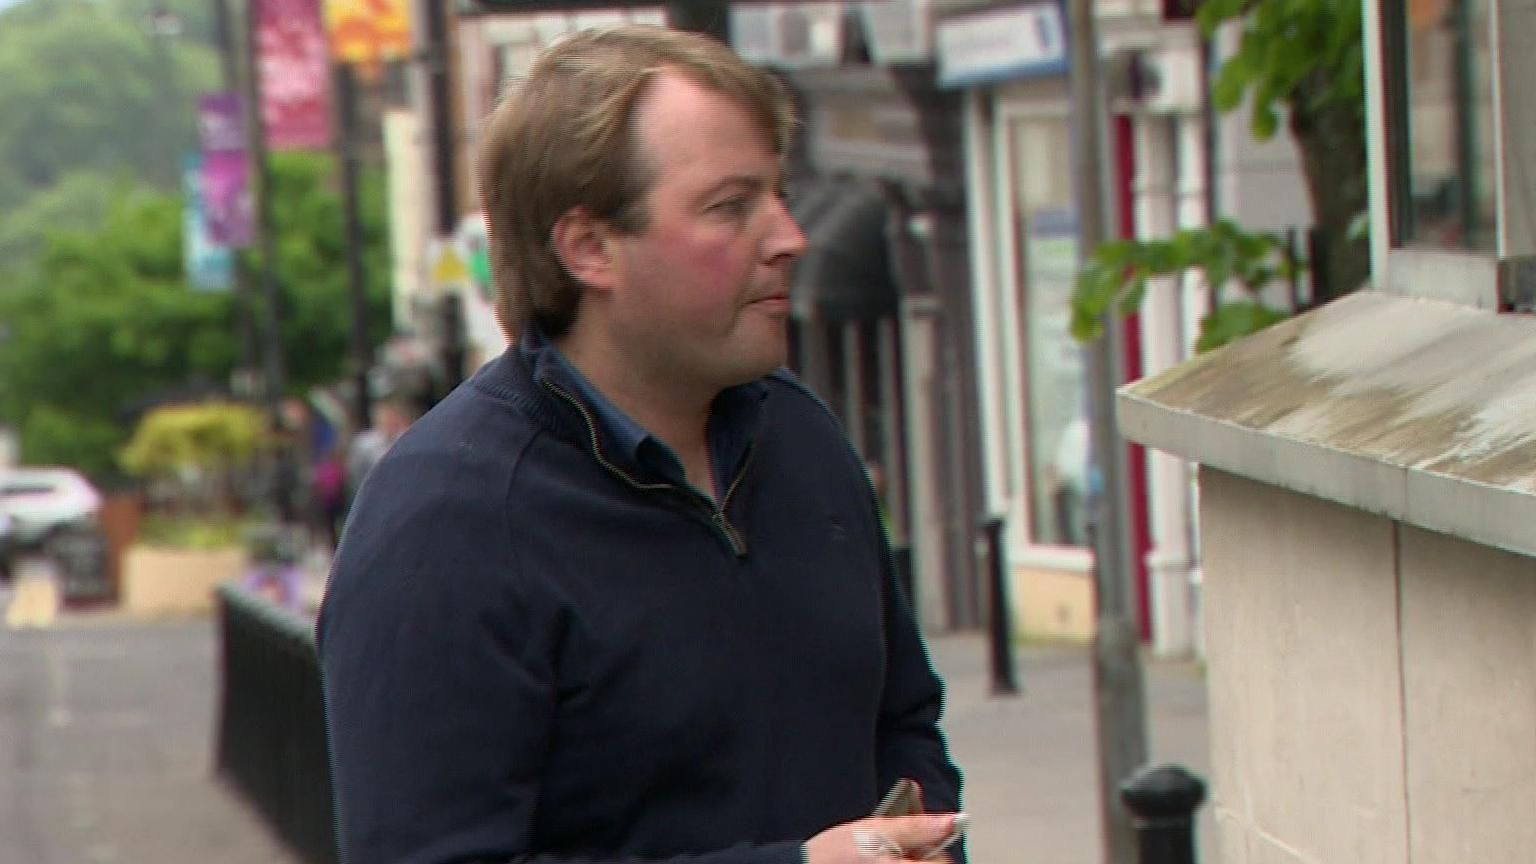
[1332, 144]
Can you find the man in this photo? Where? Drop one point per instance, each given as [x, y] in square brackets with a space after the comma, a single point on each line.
[623, 596]
[394, 413]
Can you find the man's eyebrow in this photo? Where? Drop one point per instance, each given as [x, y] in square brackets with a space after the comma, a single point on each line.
[745, 181]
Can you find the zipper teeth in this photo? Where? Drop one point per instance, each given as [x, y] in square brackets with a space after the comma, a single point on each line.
[597, 449]
[726, 501]
[719, 516]
[725, 525]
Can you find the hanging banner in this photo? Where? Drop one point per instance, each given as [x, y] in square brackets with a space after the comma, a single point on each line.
[208, 265]
[227, 199]
[295, 73]
[220, 123]
[227, 203]
[367, 32]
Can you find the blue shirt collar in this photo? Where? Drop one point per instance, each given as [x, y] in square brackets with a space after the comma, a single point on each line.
[733, 419]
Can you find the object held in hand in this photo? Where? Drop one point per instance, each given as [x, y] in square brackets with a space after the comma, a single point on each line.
[904, 799]
[874, 845]
[962, 821]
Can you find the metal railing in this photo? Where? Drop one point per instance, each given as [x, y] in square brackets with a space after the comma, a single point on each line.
[271, 743]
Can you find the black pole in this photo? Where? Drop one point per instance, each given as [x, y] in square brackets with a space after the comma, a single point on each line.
[440, 85]
[1162, 801]
[1317, 265]
[159, 26]
[240, 301]
[1293, 262]
[441, 96]
[1467, 162]
[272, 350]
[346, 145]
[1000, 627]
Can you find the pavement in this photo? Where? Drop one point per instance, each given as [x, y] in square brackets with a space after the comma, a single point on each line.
[106, 747]
[1029, 760]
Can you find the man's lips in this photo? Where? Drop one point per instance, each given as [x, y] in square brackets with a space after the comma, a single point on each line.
[773, 302]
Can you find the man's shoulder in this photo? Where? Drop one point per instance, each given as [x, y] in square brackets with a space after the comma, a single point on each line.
[470, 441]
[791, 394]
[806, 428]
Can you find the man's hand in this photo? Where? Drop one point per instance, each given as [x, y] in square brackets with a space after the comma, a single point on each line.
[906, 838]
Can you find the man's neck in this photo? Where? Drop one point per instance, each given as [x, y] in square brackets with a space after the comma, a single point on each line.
[676, 414]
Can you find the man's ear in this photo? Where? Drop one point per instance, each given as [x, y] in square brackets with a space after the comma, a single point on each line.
[582, 243]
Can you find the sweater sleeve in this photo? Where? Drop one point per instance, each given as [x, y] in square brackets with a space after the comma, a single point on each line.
[438, 671]
[910, 741]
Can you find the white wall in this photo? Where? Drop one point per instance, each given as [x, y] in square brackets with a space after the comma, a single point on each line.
[1372, 686]
[1259, 184]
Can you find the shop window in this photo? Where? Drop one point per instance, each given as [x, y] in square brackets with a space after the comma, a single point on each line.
[1055, 384]
[1440, 123]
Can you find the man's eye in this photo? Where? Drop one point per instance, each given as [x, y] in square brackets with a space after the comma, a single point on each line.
[732, 206]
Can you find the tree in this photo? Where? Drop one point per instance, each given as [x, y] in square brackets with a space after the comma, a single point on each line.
[107, 323]
[1299, 61]
[311, 255]
[1226, 255]
[77, 202]
[122, 104]
[1302, 59]
[192, 454]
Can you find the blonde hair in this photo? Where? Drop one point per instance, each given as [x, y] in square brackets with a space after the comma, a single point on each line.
[563, 137]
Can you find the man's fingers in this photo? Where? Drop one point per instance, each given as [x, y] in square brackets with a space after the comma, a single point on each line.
[917, 833]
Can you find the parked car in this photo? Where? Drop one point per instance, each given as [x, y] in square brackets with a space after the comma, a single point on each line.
[40, 504]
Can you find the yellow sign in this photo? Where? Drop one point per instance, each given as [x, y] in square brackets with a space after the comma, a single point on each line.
[449, 268]
[366, 32]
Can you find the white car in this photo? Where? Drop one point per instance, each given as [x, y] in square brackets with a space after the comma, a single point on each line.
[38, 503]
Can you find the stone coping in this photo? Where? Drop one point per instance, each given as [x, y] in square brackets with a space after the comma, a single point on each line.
[1415, 409]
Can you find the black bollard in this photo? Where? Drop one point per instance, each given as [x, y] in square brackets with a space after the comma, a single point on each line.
[1163, 800]
[999, 626]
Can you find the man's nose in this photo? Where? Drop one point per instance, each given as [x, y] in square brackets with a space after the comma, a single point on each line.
[786, 239]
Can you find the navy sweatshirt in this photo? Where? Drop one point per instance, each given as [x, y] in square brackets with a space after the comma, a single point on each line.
[533, 650]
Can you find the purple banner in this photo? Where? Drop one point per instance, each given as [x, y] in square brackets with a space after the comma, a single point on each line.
[228, 210]
[291, 55]
[220, 123]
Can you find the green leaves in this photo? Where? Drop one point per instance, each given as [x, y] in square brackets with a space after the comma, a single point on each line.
[95, 315]
[86, 87]
[105, 319]
[1117, 273]
[1295, 60]
[207, 437]
[1231, 321]
[1295, 56]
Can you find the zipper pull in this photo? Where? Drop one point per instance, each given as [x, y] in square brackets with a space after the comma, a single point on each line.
[737, 544]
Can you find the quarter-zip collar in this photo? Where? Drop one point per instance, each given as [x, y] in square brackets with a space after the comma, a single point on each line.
[630, 447]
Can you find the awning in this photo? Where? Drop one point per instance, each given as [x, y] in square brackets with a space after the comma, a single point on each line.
[845, 274]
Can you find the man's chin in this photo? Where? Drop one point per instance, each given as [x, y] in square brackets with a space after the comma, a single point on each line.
[758, 367]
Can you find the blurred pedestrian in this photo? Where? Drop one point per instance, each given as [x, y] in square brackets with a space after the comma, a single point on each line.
[393, 413]
[624, 596]
[328, 485]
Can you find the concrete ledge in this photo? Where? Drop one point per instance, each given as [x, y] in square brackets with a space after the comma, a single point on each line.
[1415, 409]
[176, 581]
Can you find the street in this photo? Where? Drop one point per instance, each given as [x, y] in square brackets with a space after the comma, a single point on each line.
[106, 747]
